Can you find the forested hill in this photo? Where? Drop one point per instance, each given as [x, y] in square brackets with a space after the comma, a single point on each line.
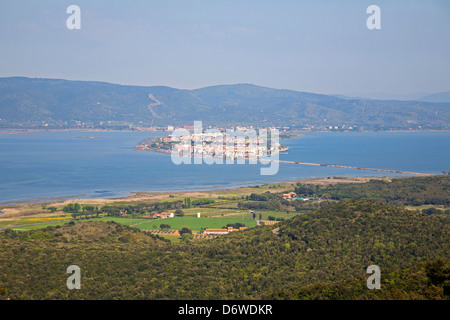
[412, 191]
[322, 254]
[26, 102]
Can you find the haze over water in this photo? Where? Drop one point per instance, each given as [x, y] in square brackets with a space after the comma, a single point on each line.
[61, 165]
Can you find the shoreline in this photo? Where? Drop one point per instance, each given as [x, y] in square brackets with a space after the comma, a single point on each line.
[24, 131]
[30, 130]
[35, 209]
[130, 196]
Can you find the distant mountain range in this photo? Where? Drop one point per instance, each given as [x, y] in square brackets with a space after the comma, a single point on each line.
[437, 97]
[53, 103]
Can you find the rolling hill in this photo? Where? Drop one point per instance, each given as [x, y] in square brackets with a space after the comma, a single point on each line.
[437, 97]
[318, 255]
[33, 102]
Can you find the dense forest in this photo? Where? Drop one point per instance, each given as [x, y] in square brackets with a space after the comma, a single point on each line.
[322, 254]
[415, 191]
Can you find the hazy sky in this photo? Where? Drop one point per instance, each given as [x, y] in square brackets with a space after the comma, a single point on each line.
[315, 46]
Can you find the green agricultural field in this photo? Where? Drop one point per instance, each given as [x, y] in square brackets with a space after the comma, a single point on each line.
[193, 223]
[176, 223]
[208, 212]
[211, 218]
[125, 221]
[39, 226]
[265, 214]
[225, 204]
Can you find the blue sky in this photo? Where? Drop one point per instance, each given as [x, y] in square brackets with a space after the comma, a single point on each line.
[315, 46]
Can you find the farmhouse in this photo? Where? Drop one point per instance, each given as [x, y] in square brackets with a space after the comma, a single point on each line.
[163, 215]
[289, 195]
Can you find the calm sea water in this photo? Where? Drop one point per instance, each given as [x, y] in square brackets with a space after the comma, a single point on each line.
[61, 165]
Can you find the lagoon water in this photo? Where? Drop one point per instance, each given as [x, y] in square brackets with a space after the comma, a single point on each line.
[61, 165]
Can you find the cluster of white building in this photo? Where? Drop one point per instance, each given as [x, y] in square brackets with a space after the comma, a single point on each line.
[241, 145]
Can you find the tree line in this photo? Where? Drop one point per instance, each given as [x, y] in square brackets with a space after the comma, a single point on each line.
[77, 210]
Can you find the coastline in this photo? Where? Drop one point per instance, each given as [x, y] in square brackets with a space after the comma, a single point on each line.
[35, 209]
[144, 129]
[130, 196]
[152, 192]
[23, 131]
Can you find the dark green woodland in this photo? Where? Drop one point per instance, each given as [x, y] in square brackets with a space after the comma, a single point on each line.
[322, 254]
